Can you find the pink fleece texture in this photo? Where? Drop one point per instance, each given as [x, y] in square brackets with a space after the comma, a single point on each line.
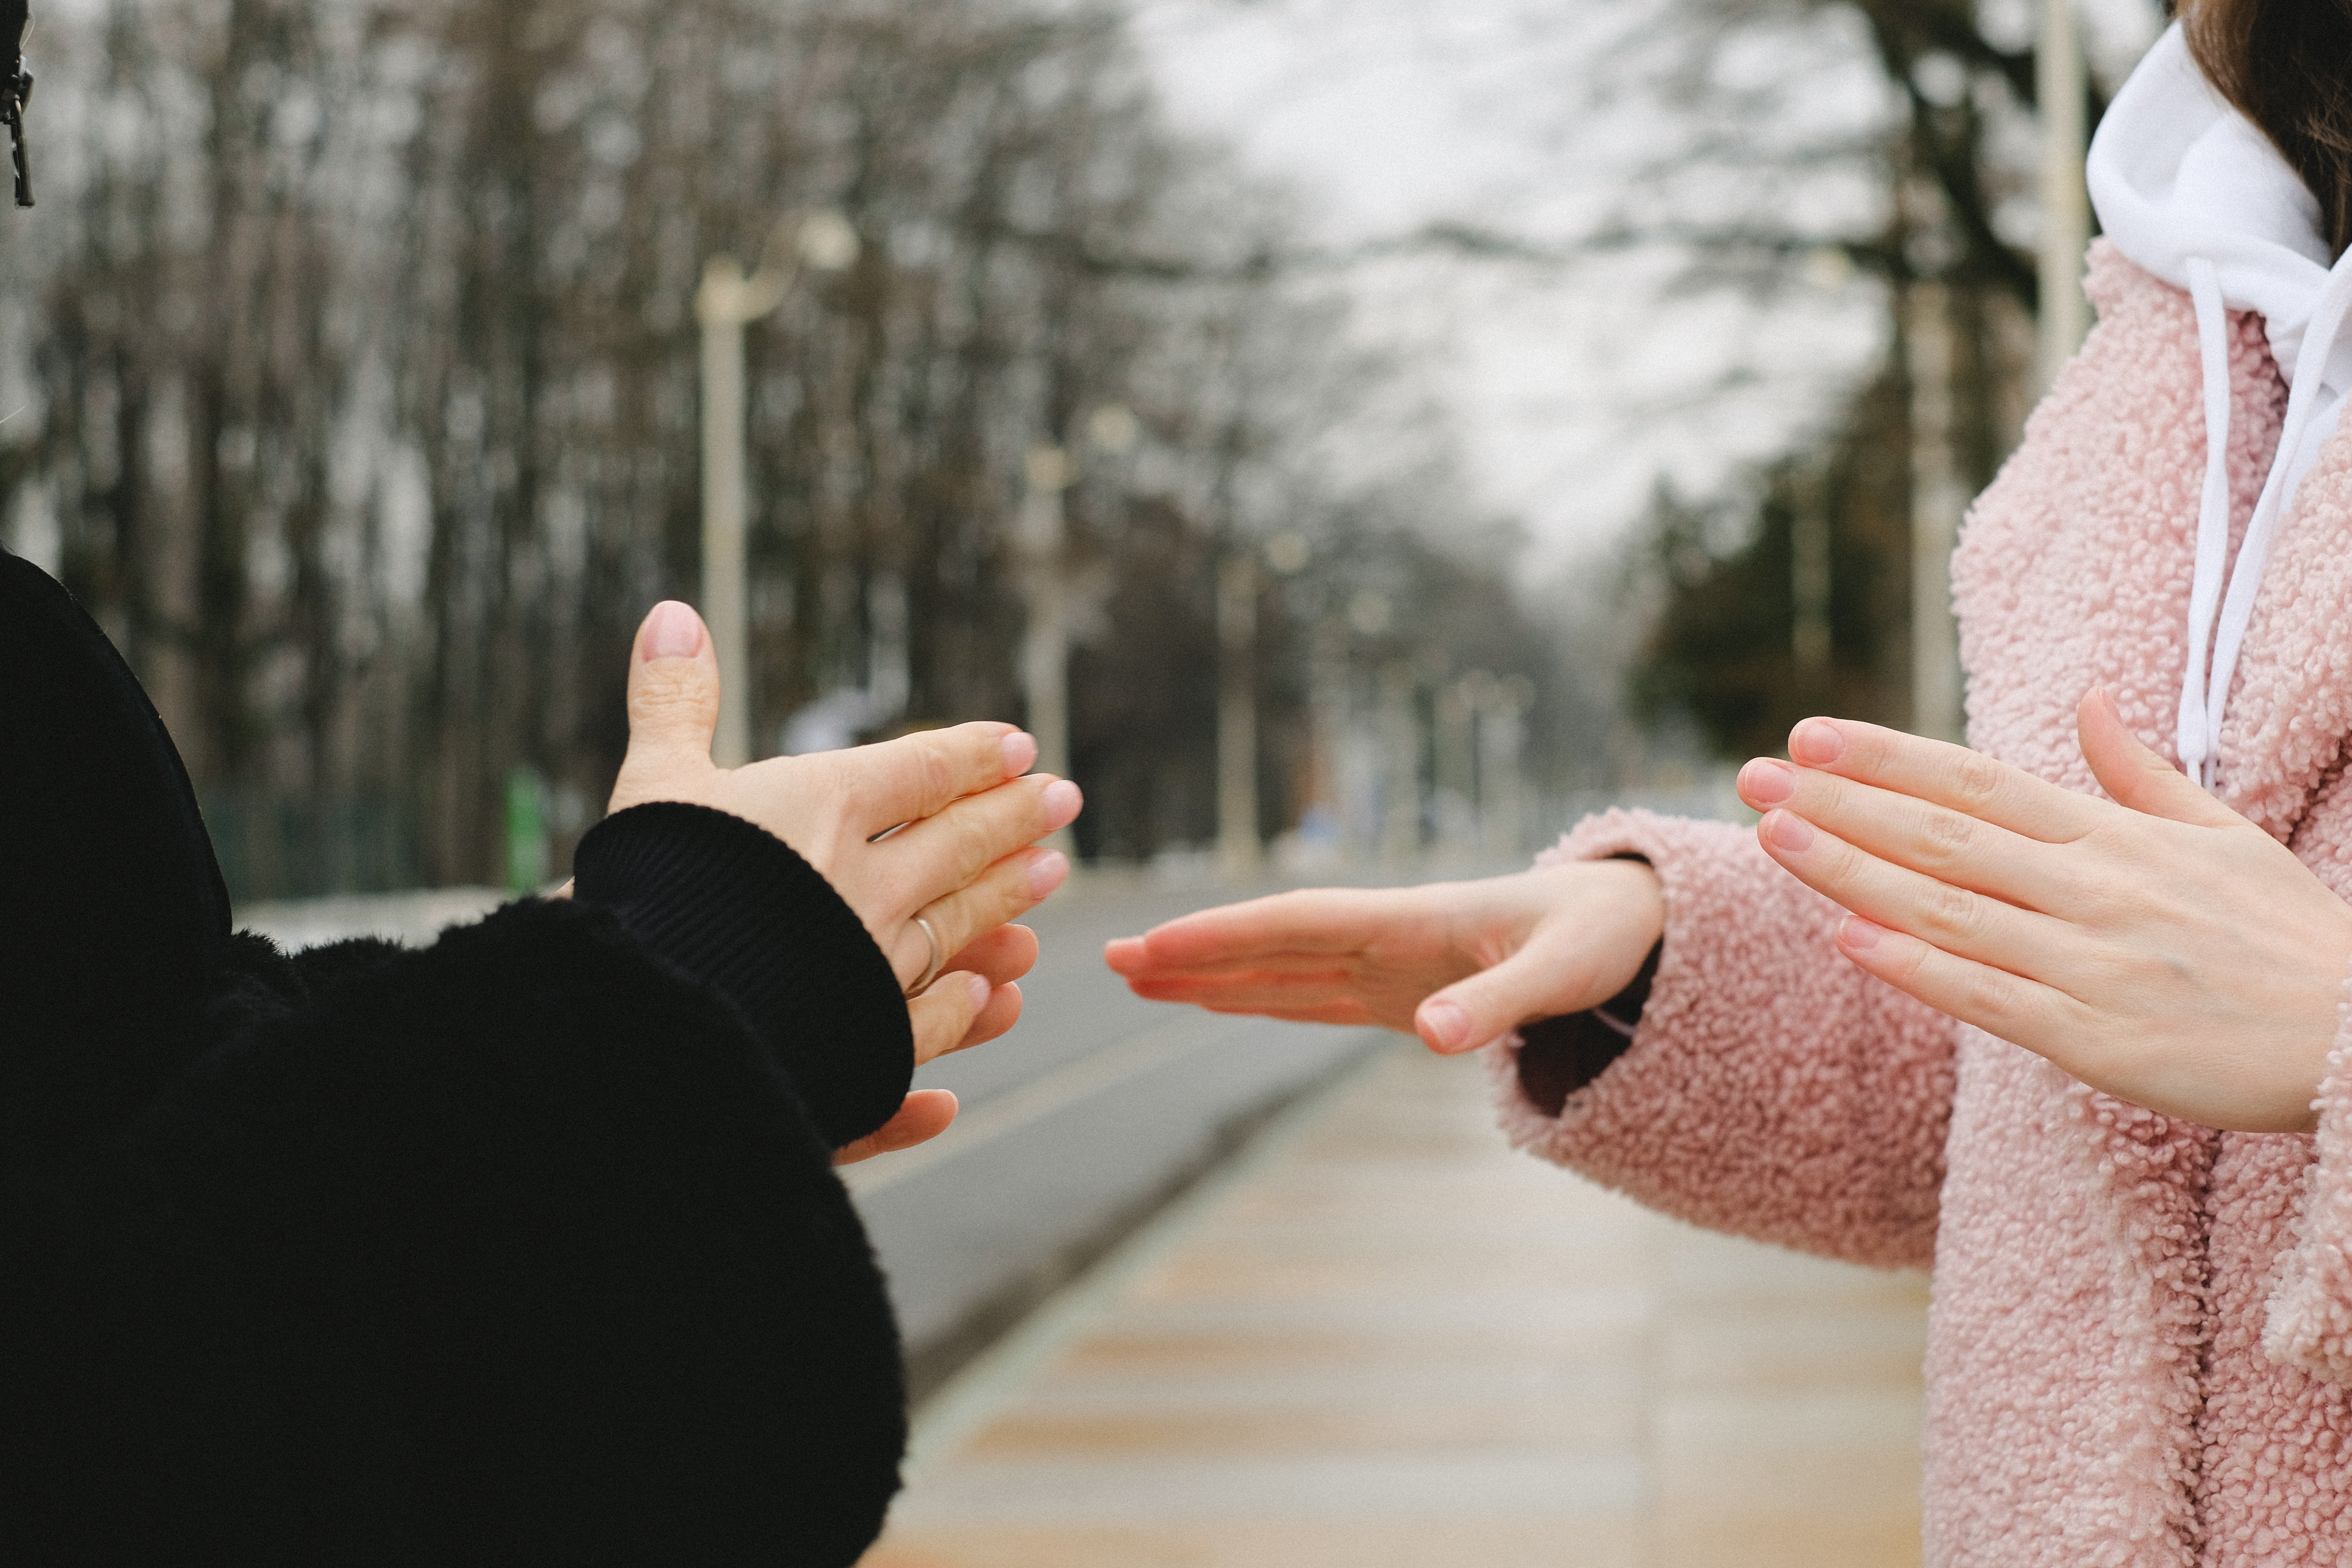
[2141, 1348]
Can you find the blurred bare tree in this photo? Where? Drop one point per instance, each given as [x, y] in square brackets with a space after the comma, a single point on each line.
[365, 408]
[1750, 639]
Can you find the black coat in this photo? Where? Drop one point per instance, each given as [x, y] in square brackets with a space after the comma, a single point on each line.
[523, 1249]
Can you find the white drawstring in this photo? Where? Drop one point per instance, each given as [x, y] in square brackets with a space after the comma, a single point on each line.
[2195, 739]
[2198, 749]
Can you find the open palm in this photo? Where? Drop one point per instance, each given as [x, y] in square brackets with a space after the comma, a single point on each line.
[1459, 963]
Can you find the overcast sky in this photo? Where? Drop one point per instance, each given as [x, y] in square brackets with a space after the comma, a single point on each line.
[1575, 387]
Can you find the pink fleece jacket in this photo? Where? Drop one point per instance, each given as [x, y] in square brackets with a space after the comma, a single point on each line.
[2141, 1348]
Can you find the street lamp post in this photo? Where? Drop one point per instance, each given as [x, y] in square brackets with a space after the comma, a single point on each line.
[1238, 852]
[1045, 642]
[727, 302]
[2058, 85]
[1938, 498]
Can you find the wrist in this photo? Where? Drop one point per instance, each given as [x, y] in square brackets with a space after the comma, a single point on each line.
[1619, 908]
[735, 908]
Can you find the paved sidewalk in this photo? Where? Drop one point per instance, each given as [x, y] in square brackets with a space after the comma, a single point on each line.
[1381, 1340]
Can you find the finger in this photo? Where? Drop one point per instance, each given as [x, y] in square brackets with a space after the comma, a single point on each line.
[1008, 890]
[1302, 999]
[1957, 921]
[948, 850]
[1299, 987]
[1967, 782]
[923, 1116]
[673, 702]
[1533, 983]
[2002, 1003]
[2137, 777]
[1003, 955]
[1004, 1011]
[1269, 967]
[1311, 921]
[946, 1012]
[1935, 839]
[921, 776]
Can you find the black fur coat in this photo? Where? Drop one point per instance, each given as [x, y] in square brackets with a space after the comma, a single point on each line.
[523, 1249]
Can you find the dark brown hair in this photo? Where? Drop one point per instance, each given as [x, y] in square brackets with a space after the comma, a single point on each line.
[2287, 67]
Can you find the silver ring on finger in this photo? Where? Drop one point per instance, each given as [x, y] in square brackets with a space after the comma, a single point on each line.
[930, 970]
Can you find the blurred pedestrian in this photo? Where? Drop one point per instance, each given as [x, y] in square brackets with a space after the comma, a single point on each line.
[526, 1247]
[2141, 1344]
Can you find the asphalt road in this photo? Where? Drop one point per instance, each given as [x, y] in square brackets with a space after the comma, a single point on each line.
[1095, 1109]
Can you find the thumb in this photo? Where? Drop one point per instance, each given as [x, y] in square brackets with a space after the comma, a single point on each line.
[1492, 1003]
[673, 702]
[2135, 777]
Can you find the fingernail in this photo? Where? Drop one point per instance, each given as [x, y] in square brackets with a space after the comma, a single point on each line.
[1047, 872]
[1860, 934]
[1020, 751]
[981, 990]
[1816, 743]
[1444, 1025]
[1788, 831]
[672, 631]
[1063, 802]
[1765, 782]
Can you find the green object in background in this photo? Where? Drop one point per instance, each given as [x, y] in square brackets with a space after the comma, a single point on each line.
[526, 830]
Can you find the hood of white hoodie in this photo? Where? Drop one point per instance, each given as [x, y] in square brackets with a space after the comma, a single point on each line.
[2175, 172]
[2191, 190]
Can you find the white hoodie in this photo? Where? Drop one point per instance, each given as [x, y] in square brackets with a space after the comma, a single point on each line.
[2188, 188]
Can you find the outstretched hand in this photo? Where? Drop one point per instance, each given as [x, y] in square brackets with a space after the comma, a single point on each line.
[1460, 963]
[965, 861]
[2161, 947]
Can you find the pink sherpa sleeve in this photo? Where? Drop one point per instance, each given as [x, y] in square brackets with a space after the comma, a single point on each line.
[2310, 1321]
[1771, 1088]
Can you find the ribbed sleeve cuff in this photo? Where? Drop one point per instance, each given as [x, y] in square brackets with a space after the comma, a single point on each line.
[733, 905]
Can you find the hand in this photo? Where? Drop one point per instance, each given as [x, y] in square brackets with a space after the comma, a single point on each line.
[986, 971]
[965, 859]
[2164, 949]
[1461, 964]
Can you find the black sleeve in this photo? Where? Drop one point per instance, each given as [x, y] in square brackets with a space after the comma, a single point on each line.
[524, 1248]
[1560, 1056]
[732, 905]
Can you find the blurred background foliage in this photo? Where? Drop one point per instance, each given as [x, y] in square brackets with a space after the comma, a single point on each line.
[360, 346]
[356, 367]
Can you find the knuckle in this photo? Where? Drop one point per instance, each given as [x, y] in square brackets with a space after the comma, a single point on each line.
[1912, 966]
[936, 769]
[974, 844]
[1003, 895]
[1974, 779]
[1942, 837]
[1872, 752]
[1989, 994]
[664, 701]
[1954, 911]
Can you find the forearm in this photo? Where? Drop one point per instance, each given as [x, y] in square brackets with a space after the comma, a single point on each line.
[1769, 1088]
